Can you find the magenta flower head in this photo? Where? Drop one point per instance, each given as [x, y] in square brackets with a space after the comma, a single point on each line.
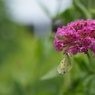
[76, 37]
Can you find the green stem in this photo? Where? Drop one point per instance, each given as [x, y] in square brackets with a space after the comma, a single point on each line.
[62, 87]
[89, 57]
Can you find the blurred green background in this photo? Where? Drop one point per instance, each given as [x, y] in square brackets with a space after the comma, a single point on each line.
[28, 63]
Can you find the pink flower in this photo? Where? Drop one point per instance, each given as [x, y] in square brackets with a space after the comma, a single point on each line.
[92, 46]
[76, 37]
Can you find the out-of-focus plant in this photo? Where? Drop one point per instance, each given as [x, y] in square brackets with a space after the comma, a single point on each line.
[32, 62]
[7, 35]
[81, 78]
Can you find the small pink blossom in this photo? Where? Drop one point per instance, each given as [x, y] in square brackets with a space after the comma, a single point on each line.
[76, 37]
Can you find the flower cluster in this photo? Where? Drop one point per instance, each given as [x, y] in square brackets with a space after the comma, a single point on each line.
[76, 37]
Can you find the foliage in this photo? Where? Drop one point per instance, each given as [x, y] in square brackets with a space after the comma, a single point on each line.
[28, 64]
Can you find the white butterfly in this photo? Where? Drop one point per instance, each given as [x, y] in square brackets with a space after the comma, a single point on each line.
[65, 65]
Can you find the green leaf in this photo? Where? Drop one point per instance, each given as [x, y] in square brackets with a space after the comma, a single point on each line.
[82, 62]
[51, 74]
[79, 7]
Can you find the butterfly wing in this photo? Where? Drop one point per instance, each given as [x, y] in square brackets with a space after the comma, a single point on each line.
[65, 65]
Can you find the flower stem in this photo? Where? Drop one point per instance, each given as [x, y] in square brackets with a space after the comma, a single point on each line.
[91, 63]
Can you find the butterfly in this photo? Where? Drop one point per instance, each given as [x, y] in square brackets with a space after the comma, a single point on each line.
[65, 65]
